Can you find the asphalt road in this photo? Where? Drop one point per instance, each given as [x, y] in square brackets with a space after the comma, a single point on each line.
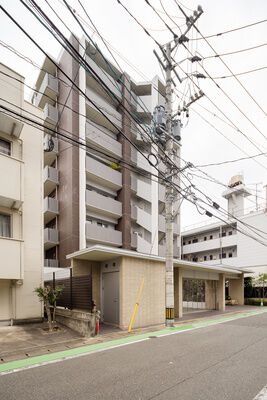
[222, 362]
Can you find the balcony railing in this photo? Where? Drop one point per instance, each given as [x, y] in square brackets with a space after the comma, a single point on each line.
[98, 234]
[50, 209]
[51, 238]
[50, 115]
[50, 263]
[50, 153]
[48, 90]
[103, 204]
[103, 174]
[51, 179]
[96, 135]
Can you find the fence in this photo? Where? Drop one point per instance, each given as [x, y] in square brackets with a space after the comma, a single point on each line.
[77, 291]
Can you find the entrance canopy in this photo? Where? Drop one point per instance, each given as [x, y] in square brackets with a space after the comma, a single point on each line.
[105, 253]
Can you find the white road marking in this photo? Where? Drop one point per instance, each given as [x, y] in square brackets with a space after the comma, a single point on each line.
[262, 395]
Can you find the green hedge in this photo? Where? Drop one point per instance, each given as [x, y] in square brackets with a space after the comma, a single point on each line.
[255, 302]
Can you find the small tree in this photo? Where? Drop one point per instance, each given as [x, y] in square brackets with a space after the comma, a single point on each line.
[49, 297]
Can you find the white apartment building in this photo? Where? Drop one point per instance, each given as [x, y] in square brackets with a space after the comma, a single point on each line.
[88, 202]
[21, 188]
[221, 244]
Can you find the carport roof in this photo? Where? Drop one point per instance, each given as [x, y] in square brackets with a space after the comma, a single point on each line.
[105, 253]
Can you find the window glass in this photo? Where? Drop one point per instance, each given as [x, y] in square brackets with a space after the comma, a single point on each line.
[5, 225]
[5, 147]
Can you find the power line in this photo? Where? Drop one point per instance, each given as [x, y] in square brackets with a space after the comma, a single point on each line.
[240, 73]
[239, 130]
[231, 30]
[230, 161]
[234, 52]
[68, 78]
[231, 72]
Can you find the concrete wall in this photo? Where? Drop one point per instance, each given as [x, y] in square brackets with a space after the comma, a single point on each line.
[17, 299]
[151, 309]
[210, 295]
[236, 289]
[27, 304]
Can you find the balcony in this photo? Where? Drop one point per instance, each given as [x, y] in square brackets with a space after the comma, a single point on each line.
[138, 132]
[48, 91]
[212, 244]
[50, 209]
[141, 217]
[162, 226]
[11, 251]
[110, 82]
[103, 174]
[50, 116]
[98, 234]
[11, 187]
[133, 155]
[50, 238]
[143, 163]
[102, 204]
[51, 179]
[50, 156]
[161, 193]
[50, 263]
[9, 125]
[140, 244]
[97, 137]
[141, 188]
[112, 114]
[162, 251]
[144, 104]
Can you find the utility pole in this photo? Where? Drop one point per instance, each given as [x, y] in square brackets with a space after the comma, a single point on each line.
[167, 132]
[169, 281]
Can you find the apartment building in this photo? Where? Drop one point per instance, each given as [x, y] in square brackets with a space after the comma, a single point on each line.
[221, 244]
[21, 204]
[88, 199]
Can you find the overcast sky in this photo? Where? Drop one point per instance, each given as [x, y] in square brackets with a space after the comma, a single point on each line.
[201, 143]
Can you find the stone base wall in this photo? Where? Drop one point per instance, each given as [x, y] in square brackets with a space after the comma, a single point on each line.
[79, 321]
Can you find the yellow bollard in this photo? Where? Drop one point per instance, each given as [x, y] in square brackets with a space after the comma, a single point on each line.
[136, 305]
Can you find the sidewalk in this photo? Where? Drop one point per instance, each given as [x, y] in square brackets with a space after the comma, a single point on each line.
[24, 342]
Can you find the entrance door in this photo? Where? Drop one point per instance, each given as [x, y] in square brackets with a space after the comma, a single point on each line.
[111, 297]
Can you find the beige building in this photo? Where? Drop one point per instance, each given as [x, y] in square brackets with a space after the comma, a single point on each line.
[117, 276]
[21, 204]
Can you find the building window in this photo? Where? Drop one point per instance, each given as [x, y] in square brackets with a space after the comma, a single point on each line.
[195, 259]
[211, 237]
[230, 233]
[5, 225]
[5, 147]
[183, 243]
[205, 258]
[211, 257]
[223, 255]
[195, 240]
[230, 255]
[223, 234]
[205, 238]
[189, 241]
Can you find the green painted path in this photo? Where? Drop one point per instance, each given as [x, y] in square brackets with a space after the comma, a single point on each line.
[31, 362]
